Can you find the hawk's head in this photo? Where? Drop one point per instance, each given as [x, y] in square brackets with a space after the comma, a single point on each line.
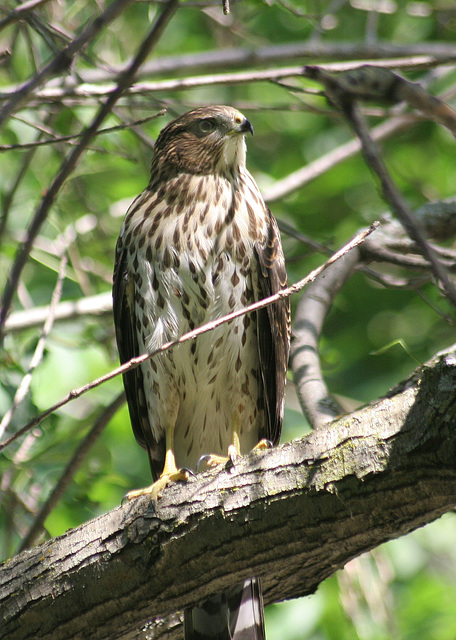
[202, 141]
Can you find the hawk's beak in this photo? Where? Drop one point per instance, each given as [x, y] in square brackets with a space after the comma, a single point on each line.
[245, 126]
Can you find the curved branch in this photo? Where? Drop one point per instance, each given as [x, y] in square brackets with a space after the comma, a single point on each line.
[370, 477]
[313, 307]
[389, 243]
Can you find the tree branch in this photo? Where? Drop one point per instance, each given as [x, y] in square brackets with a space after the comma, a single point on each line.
[311, 311]
[96, 305]
[82, 91]
[302, 176]
[70, 469]
[370, 82]
[191, 335]
[64, 58]
[70, 162]
[133, 568]
[271, 55]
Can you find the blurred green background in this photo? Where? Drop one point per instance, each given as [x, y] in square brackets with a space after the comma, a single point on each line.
[405, 589]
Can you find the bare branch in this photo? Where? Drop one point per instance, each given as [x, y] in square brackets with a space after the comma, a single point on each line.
[338, 94]
[51, 94]
[312, 309]
[313, 170]
[24, 385]
[98, 305]
[19, 12]
[64, 58]
[70, 162]
[191, 335]
[392, 244]
[209, 61]
[388, 243]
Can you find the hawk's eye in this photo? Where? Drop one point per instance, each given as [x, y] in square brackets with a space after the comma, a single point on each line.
[206, 126]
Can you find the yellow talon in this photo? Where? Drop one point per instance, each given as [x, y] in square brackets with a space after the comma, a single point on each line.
[211, 460]
[169, 474]
[262, 445]
[155, 489]
[234, 450]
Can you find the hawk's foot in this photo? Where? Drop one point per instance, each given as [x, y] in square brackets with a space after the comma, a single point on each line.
[262, 445]
[155, 489]
[213, 460]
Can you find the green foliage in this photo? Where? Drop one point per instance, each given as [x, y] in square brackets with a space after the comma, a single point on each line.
[293, 129]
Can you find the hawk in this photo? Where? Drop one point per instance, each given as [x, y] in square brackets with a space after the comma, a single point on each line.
[196, 244]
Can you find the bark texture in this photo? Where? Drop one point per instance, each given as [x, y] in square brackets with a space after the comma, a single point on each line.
[293, 515]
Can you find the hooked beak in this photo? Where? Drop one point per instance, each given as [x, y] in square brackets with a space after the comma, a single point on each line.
[244, 127]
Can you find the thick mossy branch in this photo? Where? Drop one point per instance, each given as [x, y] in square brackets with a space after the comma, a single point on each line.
[293, 516]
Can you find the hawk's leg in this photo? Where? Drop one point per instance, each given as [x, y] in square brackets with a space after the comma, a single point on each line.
[169, 474]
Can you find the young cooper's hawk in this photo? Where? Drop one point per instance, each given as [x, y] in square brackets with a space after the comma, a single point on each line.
[198, 243]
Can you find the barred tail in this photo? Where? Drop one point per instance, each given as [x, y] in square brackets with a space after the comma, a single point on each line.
[235, 614]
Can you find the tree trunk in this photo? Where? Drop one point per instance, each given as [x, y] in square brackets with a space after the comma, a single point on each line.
[292, 515]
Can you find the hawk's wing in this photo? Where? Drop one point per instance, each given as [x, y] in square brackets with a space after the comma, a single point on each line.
[123, 294]
[273, 329]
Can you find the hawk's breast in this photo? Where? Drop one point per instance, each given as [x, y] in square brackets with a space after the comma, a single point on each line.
[191, 248]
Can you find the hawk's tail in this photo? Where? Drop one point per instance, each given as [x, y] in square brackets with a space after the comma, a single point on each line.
[235, 614]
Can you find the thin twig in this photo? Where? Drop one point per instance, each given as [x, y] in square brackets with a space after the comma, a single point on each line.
[395, 199]
[64, 58]
[191, 335]
[75, 136]
[70, 162]
[19, 12]
[68, 473]
[24, 385]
